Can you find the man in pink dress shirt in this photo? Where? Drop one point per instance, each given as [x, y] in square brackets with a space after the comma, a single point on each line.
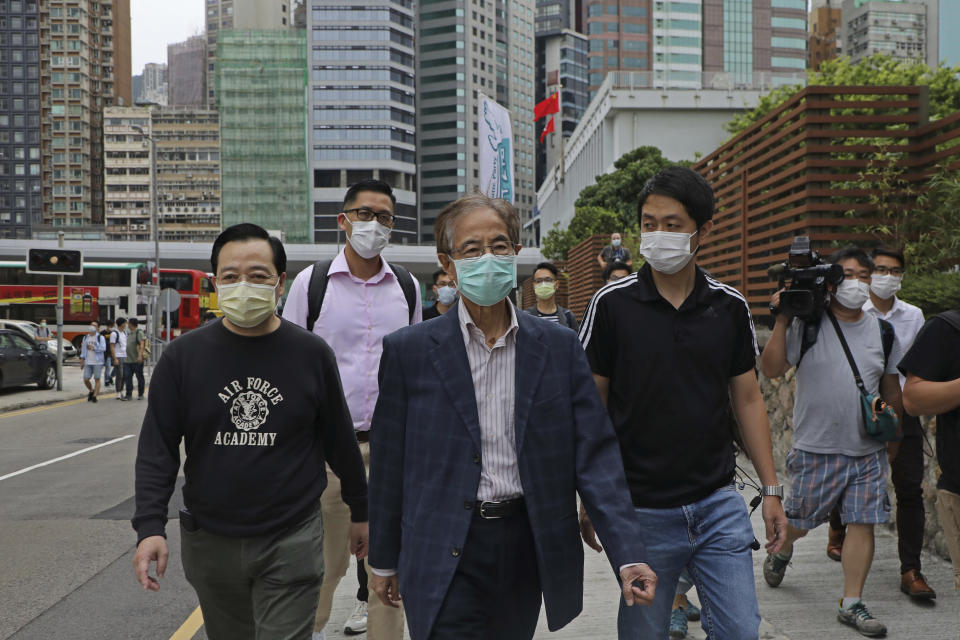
[362, 303]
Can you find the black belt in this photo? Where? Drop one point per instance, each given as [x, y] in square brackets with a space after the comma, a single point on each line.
[501, 509]
[363, 436]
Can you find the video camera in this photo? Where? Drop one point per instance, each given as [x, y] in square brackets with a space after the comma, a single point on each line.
[806, 297]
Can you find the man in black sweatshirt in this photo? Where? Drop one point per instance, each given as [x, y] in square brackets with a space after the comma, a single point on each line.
[258, 404]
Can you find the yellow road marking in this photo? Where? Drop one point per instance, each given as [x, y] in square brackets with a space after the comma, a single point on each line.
[190, 627]
[23, 412]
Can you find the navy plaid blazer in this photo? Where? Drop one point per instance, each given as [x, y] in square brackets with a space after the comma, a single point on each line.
[425, 463]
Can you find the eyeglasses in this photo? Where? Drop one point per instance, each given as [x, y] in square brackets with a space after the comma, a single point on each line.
[544, 281]
[475, 249]
[253, 278]
[365, 214]
[893, 271]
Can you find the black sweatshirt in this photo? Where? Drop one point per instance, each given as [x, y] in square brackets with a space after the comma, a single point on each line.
[259, 417]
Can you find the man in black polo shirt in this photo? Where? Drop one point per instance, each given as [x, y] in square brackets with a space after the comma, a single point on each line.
[671, 349]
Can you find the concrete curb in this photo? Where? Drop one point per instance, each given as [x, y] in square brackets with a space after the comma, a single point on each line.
[30, 404]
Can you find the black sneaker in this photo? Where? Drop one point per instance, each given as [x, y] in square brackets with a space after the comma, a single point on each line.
[90, 397]
[775, 567]
[93, 399]
[860, 619]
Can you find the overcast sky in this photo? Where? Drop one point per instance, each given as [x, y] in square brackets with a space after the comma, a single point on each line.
[155, 24]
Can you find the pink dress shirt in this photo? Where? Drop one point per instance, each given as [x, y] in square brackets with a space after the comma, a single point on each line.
[354, 318]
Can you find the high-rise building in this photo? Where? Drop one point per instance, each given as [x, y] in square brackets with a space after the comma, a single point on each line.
[187, 72]
[826, 31]
[698, 43]
[20, 162]
[126, 179]
[187, 178]
[907, 30]
[240, 14]
[465, 49]
[949, 16]
[361, 115]
[260, 89]
[154, 84]
[188, 173]
[85, 67]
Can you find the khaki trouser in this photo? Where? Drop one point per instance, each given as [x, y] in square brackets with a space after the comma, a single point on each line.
[259, 587]
[383, 622]
[948, 508]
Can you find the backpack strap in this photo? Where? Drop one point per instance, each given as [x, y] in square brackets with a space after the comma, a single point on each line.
[808, 337]
[316, 290]
[409, 289]
[887, 335]
[951, 317]
[562, 319]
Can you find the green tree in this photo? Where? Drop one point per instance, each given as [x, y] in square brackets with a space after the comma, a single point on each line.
[608, 205]
[876, 70]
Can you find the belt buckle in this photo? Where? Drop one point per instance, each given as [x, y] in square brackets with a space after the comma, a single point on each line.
[484, 515]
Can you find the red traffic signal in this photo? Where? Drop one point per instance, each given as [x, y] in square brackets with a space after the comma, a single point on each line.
[68, 262]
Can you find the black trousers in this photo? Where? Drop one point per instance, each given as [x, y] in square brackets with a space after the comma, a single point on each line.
[495, 592]
[907, 475]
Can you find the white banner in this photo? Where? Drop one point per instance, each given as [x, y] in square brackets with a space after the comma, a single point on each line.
[496, 150]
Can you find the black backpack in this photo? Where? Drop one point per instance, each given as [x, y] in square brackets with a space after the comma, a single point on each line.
[318, 289]
[951, 317]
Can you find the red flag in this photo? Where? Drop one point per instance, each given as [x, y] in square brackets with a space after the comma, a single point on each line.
[547, 129]
[547, 107]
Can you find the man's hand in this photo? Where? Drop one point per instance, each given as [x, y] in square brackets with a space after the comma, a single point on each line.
[776, 522]
[152, 549]
[893, 448]
[587, 533]
[359, 539]
[639, 584]
[387, 589]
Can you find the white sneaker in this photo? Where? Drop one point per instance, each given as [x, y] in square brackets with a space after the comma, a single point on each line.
[357, 622]
[319, 635]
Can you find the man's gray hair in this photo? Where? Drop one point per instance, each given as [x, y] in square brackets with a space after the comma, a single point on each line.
[443, 228]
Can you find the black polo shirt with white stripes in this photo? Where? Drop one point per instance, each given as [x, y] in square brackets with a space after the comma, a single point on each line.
[669, 372]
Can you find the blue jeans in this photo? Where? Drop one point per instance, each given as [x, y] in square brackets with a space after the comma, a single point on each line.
[107, 372]
[711, 538]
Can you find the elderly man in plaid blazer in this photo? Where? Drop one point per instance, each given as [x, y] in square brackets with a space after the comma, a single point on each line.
[487, 426]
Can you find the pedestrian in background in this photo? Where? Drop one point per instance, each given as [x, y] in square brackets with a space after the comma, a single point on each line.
[932, 367]
[92, 352]
[257, 404]
[364, 299]
[614, 252]
[545, 288]
[445, 288]
[133, 363]
[486, 428]
[119, 355]
[616, 271]
[672, 350]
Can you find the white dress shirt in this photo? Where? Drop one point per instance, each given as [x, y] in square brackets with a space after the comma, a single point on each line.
[907, 320]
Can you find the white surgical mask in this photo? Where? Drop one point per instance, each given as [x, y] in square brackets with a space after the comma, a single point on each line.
[885, 286]
[666, 251]
[247, 305]
[853, 293]
[368, 239]
[446, 295]
[93, 330]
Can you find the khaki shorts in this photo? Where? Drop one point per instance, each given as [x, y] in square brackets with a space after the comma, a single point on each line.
[948, 508]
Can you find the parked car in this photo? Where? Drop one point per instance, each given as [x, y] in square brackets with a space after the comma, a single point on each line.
[23, 361]
[29, 329]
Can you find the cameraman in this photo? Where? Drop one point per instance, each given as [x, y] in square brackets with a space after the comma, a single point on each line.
[833, 461]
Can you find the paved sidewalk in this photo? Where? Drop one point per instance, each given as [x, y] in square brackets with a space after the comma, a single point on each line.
[25, 397]
[802, 608]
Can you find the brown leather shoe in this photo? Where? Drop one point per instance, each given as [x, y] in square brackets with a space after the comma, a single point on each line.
[835, 543]
[915, 585]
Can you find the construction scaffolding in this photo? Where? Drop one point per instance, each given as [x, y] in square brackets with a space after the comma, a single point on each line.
[261, 79]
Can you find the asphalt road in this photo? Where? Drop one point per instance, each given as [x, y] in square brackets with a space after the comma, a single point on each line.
[66, 547]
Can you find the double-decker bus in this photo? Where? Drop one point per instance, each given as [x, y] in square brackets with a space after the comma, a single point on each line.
[105, 291]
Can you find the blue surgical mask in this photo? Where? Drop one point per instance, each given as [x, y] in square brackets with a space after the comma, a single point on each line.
[488, 279]
[446, 295]
[615, 242]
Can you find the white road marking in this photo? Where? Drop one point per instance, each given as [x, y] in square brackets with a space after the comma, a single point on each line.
[69, 455]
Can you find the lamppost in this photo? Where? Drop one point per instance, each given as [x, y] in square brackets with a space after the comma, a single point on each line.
[154, 223]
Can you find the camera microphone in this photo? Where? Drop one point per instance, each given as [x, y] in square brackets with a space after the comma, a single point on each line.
[777, 270]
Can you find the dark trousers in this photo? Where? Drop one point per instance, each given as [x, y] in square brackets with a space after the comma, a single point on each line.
[362, 592]
[495, 592]
[907, 476]
[119, 376]
[130, 368]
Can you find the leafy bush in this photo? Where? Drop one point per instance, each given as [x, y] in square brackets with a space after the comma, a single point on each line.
[932, 292]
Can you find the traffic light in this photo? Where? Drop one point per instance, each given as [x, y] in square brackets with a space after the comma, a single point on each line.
[68, 262]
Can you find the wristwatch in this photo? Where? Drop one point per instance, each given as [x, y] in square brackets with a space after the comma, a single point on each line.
[773, 490]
